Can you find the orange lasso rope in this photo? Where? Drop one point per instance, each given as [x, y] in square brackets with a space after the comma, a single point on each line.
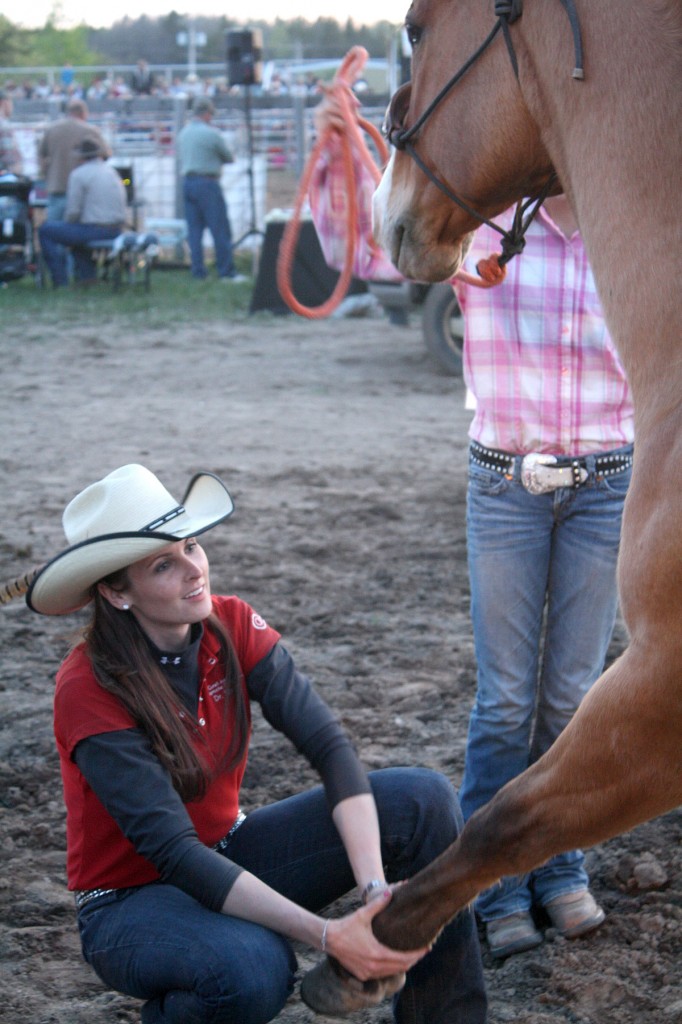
[354, 126]
[490, 271]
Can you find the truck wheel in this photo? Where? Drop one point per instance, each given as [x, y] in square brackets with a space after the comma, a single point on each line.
[443, 328]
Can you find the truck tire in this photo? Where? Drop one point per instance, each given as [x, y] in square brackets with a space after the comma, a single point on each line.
[443, 328]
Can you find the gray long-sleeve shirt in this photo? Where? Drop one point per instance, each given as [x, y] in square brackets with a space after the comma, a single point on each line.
[95, 195]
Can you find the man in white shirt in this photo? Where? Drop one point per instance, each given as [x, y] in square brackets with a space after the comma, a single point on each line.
[95, 210]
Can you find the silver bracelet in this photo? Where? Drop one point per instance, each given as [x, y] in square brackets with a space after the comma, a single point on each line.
[323, 944]
[375, 883]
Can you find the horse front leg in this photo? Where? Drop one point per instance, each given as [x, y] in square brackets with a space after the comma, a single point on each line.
[617, 763]
[416, 915]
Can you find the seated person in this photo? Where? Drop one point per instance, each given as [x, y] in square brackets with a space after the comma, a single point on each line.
[183, 900]
[95, 210]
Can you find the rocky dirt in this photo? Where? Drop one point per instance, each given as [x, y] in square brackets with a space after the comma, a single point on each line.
[346, 455]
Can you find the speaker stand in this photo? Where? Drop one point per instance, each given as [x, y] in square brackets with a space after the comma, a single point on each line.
[253, 228]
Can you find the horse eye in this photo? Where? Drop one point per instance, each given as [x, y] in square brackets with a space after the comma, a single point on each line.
[413, 33]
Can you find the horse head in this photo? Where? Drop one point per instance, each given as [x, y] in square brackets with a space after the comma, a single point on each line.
[492, 158]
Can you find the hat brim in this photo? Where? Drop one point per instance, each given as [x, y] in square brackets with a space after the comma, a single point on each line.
[63, 584]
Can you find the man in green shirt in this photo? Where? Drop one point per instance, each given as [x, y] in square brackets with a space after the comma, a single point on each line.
[203, 151]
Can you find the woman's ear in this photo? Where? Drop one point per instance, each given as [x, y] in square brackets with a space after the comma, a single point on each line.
[116, 598]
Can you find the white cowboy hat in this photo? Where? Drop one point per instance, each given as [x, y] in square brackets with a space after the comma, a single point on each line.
[115, 522]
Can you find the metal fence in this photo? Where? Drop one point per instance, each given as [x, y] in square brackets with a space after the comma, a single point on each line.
[269, 136]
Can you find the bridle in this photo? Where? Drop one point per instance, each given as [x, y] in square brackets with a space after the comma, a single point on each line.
[506, 13]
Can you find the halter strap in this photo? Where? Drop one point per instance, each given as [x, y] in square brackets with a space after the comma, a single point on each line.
[400, 139]
[506, 13]
[513, 241]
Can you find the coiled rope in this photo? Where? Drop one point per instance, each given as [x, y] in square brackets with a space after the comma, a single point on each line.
[349, 138]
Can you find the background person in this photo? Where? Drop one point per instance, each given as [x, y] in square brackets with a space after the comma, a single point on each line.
[59, 154]
[95, 210]
[183, 901]
[203, 151]
[142, 79]
[11, 161]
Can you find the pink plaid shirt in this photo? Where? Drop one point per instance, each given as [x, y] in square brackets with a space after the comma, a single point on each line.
[537, 355]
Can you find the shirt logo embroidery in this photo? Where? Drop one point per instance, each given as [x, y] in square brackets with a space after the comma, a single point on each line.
[257, 622]
[216, 690]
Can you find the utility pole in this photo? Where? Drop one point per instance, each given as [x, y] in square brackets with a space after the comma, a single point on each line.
[192, 40]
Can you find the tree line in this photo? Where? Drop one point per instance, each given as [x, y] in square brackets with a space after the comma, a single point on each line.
[155, 40]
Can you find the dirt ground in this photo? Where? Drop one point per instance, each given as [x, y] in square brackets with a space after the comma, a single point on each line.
[345, 452]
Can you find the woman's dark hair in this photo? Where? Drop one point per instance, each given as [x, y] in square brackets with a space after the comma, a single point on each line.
[124, 666]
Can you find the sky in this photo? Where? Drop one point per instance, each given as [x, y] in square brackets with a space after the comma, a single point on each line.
[34, 13]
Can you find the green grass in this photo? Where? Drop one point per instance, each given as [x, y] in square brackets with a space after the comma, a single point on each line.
[174, 297]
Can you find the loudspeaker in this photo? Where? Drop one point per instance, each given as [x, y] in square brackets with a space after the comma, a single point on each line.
[244, 56]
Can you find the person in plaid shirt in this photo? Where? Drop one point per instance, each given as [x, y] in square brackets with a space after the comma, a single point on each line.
[10, 156]
[550, 460]
[549, 466]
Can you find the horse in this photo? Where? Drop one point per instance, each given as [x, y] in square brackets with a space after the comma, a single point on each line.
[584, 97]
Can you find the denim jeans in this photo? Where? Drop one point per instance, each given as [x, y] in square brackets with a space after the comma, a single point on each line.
[195, 966]
[54, 235]
[56, 208]
[205, 207]
[543, 604]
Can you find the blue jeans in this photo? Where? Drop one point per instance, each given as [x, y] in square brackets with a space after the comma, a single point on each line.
[205, 207]
[196, 966]
[543, 604]
[54, 235]
[56, 208]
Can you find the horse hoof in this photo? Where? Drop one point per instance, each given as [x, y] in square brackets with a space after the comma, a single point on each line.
[393, 984]
[326, 992]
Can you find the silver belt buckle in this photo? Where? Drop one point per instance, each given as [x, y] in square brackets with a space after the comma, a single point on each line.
[540, 474]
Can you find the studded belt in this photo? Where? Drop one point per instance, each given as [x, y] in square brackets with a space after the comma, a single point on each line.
[221, 845]
[84, 896]
[542, 473]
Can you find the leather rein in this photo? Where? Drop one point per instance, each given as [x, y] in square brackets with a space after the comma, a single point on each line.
[506, 13]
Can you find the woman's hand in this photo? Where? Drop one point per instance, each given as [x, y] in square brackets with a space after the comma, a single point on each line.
[351, 940]
[329, 113]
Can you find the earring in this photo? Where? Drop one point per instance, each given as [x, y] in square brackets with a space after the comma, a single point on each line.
[126, 607]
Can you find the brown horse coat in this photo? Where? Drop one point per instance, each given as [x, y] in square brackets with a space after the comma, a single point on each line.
[615, 142]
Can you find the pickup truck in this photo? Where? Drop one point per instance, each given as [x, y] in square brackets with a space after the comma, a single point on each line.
[441, 317]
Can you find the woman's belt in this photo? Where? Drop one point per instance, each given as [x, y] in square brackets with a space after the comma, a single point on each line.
[540, 473]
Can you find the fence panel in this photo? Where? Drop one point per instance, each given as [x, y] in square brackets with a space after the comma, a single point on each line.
[267, 138]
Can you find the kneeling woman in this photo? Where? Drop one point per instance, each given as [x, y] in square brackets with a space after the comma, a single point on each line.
[182, 900]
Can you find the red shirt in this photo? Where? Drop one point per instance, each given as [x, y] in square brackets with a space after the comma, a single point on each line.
[96, 847]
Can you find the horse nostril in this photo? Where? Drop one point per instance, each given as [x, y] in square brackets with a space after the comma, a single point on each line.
[395, 136]
[394, 122]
